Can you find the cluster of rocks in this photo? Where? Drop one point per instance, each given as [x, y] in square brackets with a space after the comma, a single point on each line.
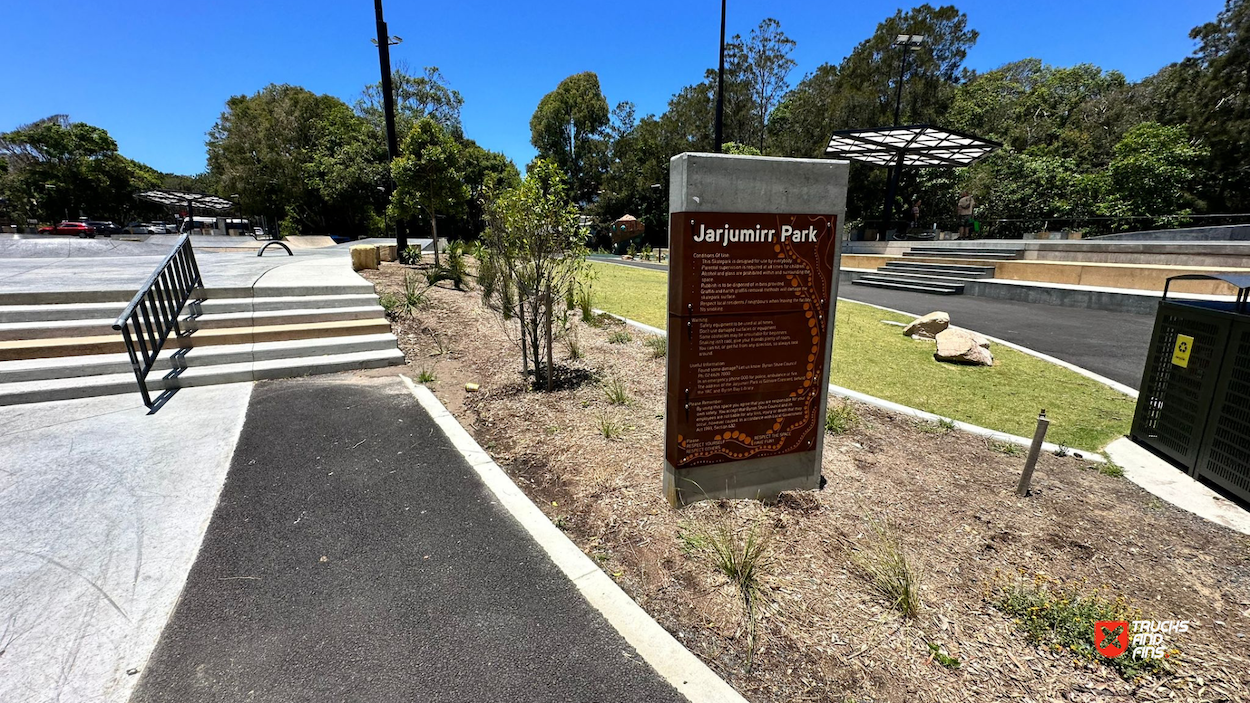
[954, 345]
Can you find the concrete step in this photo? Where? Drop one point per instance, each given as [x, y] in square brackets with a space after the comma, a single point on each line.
[212, 292]
[916, 287]
[118, 383]
[103, 364]
[1004, 251]
[950, 254]
[922, 267]
[914, 278]
[190, 323]
[112, 343]
[110, 310]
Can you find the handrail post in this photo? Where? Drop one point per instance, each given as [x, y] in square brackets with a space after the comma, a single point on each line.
[153, 312]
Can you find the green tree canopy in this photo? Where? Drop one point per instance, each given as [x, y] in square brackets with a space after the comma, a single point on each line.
[428, 174]
[301, 158]
[568, 128]
[427, 95]
[61, 169]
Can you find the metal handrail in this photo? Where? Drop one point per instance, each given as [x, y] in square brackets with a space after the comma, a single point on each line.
[147, 320]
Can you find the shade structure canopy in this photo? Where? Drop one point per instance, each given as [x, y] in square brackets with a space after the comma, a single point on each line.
[177, 198]
[912, 145]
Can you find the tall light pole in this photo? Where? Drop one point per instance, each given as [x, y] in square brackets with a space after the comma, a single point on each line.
[720, 84]
[910, 44]
[384, 42]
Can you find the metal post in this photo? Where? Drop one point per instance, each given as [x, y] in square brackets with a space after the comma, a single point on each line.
[388, 112]
[896, 171]
[1039, 435]
[720, 84]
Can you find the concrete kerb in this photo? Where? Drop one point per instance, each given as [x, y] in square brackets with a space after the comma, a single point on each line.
[668, 657]
[970, 429]
[1175, 486]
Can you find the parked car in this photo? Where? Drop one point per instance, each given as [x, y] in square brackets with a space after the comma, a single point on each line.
[82, 229]
[105, 228]
[138, 228]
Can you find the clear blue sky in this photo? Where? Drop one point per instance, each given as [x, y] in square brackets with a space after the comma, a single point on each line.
[156, 74]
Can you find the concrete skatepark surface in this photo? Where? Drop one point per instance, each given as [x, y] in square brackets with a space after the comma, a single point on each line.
[102, 509]
[124, 274]
[355, 555]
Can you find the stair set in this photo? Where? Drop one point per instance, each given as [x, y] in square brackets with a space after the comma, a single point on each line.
[68, 348]
[937, 278]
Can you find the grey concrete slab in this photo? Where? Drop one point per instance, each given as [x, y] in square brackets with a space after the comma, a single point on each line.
[102, 509]
[315, 268]
[355, 555]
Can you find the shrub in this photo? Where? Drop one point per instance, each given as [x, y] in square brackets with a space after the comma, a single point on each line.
[840, 418]
[614, 389]
[410, 256]
[741, 561]
[619, 337]
[407, 303]
[890, 571]
[426, 375]
[609, 426]
[1059, 617]
[658, 346]
[454, 269]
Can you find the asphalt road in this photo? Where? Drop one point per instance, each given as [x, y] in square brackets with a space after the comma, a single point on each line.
[355, 556]
[1110, 344]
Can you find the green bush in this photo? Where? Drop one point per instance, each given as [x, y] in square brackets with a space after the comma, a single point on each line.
[410, 256]
[1060, 617]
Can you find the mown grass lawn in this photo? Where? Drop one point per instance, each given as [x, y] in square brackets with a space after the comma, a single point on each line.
[875, 358]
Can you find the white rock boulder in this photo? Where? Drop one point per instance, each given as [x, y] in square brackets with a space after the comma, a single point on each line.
[962, 347]
[928, 326]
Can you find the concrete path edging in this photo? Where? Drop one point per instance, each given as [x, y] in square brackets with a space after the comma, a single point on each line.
[668, 657]
[1175, 486]
[964, 426]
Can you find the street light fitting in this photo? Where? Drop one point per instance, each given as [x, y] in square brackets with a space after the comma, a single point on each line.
[390, 41]
[912, 42]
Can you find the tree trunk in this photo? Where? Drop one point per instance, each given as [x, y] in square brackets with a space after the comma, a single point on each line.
[434, 227]
[525, 358]
[550, 363]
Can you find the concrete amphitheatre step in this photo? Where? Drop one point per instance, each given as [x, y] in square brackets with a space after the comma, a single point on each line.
[953, 253]
[961, 270]
[61, 345]
[932, 288]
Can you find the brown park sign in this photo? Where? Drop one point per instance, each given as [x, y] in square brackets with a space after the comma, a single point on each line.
[747, 322]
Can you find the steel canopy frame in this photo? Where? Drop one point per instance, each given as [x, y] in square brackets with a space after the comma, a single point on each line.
[923, 146]
[175, 198]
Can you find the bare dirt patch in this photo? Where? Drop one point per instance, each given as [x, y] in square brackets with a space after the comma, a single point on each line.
[823, 633]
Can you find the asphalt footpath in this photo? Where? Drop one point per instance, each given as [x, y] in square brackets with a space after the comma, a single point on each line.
[354, 556]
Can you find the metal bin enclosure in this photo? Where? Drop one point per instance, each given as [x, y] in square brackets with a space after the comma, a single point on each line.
[1194, 404]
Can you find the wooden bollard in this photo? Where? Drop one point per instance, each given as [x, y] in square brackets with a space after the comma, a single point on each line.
[1039, 436]
[364, 257]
